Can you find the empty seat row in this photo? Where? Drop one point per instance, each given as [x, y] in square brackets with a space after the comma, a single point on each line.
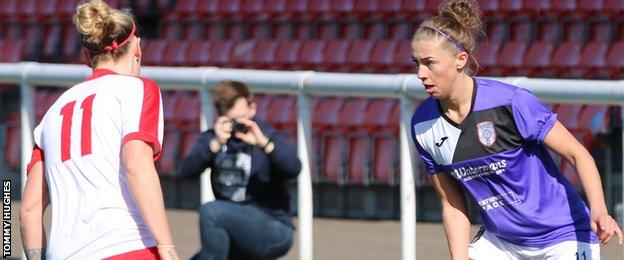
[386, 8]
[64, 9]
[545, 59]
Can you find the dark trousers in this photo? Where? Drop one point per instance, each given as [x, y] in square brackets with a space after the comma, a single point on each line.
[233, 231]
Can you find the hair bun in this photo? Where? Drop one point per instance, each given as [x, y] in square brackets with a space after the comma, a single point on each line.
[91, 18]
[465, 12]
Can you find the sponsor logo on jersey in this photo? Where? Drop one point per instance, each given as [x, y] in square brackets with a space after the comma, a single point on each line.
[486, 132]
[469, 173]
[499, 201]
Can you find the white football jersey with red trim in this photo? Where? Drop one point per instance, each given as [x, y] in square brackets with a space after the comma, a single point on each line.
[93, 213]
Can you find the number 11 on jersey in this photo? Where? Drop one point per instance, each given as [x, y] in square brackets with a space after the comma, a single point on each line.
[85, 134]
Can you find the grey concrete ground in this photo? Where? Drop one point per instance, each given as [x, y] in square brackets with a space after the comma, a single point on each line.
[333, 238]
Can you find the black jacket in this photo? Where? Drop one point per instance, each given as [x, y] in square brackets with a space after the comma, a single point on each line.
[269, 172]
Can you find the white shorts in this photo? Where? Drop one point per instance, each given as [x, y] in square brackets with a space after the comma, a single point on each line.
[489, 246]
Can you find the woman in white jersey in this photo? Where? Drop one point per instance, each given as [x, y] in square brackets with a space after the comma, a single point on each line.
[491, 139]
[94, 155]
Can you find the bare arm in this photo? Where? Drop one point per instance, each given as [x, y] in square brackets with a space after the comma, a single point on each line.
[145, 187]
[563, 143]
[454, 214]
[34, 203]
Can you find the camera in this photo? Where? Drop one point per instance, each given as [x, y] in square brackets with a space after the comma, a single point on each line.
[237, 127]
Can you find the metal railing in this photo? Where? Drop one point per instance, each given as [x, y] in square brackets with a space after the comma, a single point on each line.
[405, 87]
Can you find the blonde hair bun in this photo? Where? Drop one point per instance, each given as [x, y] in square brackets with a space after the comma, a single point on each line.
[465, 12]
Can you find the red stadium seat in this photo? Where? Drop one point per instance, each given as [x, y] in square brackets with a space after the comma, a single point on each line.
[197, 53]
[51, 43]
[188, 110]
[431, 7]
[251, 8]
[26, 9]
[535, 7]
[563, 6]
[359, 55]
[228, 8]
[12, 51]
[282, 112]
[264, 54]
[287, 55]
[548, 32]
[382, 55]
[510, 6]
[271, 8]
[312, 53]
[358, 160]
[614, 7]
[591, 6]
[390, 8]
[496, 31]
[352, 115]
[568, 114]
[566, 56]
[333, 160]
[385, 160]
[489, 7]
[169, 155]
[71, 46]
[65, 9]
[188, 8]
[487, 54]
[600, 32]
[12, 143]
[592, 59]
[615, 60]
[318, 8]
[154, 51]
[574, 32]
[340, 8]
[296, 8]
[594, 118]
[510, 58]
[378, 115]
[189, 139]
[262, 105]
[175, 53]
[9, 9]
[220, 53]
[335, 55]
[170, 102]
[366, 8]
[327, 114]
[242, 53]
[538, 56]
[403, 57]
[520, 32]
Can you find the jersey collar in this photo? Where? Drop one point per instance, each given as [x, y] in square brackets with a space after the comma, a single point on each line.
[99, 73]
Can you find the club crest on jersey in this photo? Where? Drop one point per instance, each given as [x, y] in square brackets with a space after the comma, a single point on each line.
[486, 132]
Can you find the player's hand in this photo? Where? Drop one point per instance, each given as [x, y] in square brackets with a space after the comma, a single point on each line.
[168, 253]
[605, 227]
[254, 136]
[223, 129]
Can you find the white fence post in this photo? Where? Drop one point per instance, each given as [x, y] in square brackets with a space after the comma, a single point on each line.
[304, 181]
[408, 191]
[27, 119]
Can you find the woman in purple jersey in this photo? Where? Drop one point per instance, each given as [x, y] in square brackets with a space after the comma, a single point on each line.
[491, 138]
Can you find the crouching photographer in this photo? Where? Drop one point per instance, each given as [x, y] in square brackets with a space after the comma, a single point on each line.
[250, 164]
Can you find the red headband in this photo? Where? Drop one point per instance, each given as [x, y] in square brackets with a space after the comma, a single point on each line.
[114, 45]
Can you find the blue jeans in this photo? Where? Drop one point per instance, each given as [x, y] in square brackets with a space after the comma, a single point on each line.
[234, 231]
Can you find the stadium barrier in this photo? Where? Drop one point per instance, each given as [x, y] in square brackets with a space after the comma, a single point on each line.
[405, 87]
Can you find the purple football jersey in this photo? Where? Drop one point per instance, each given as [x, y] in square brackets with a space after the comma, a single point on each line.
[497, 154]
